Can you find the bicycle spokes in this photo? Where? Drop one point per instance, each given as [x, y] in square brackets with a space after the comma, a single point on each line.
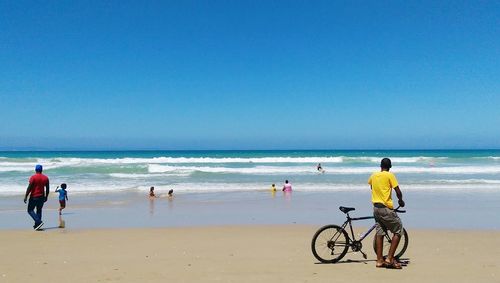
[330, 244]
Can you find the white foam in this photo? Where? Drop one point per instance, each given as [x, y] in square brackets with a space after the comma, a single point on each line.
[450, 170]
[467, 181]
[110, 186]
[424, 159]
[323, 187]
[144, 176]
[329, 170]
[194, 160]
[29, 166]
[91, 187]
[53, 163]
[26, 165]
[16, 168]
[268, 170]
[489, 157]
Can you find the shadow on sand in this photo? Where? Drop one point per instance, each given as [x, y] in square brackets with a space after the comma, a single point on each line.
[49, 228]
[403, 261]
[62, 225]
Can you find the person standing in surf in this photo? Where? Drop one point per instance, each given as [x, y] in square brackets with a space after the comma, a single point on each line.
[319, 168]
[152, 192]
[38, 196]
[287, 187]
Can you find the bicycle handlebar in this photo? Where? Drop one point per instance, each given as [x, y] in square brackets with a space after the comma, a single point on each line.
[399, 210]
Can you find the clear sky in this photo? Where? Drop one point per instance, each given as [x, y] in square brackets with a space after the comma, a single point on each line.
[249, 74]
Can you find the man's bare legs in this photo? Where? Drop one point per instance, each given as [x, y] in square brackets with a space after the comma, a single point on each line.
[394, 246]
[380, 259]
[390, 257]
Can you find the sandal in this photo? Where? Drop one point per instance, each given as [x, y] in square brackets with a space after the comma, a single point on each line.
[383, 264]
[393, 265]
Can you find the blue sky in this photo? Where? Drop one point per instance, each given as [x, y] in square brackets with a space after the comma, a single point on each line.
[249, 74]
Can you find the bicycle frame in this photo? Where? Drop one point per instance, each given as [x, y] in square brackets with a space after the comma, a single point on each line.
[331, 242]
[349, 221]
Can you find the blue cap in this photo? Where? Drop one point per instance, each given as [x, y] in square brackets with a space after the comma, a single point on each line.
[38, 168]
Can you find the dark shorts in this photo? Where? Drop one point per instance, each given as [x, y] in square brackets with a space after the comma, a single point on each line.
[62, 203]
[388, 219]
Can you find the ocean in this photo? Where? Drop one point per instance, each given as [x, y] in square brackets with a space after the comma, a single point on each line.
[451, 189]
[222, 171]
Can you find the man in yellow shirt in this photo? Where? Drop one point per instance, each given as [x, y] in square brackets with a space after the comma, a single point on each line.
[382, 183]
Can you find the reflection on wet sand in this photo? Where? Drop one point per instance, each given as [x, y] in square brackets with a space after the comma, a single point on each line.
[62, 223]
[288, 196]
[151, 206]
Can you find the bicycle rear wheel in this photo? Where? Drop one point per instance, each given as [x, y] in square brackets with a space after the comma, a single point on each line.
[402, 246]
[330, 243]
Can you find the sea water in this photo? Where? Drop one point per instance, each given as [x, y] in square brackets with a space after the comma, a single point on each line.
[218, 171]
[442, 188]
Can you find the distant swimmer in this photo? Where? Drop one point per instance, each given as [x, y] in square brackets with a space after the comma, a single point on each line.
[273, 188]
[152, 192]
[287, 187]
[320, 168]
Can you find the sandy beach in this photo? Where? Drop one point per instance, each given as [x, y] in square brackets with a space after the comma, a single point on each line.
[208, 141]
[234, 254]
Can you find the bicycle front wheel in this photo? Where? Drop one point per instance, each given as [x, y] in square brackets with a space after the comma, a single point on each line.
[402, 246]
[330, 243]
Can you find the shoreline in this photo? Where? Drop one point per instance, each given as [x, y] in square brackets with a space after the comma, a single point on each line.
[425, 210]
[265, 253]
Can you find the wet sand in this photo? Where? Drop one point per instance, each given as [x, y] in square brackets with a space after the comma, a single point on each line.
[425, 210]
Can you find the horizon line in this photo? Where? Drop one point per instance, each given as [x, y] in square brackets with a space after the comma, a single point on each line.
[228, 150]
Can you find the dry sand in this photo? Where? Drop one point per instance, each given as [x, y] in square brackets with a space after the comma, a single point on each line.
[234, 254]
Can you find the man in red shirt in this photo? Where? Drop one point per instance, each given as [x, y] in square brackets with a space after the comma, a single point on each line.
[38, 196]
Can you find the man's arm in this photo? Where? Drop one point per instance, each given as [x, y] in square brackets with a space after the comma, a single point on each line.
[399, 194]
[47, 190]
[28, 191]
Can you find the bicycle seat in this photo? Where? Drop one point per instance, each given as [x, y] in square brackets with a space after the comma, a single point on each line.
[346, 209]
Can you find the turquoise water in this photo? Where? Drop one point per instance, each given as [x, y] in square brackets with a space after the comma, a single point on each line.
[221, 171]
[442, 189]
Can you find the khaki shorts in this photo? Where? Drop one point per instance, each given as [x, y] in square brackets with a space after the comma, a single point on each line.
[388, 219]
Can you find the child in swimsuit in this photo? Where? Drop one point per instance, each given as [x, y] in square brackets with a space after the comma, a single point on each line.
[273, 188]
[63, 197]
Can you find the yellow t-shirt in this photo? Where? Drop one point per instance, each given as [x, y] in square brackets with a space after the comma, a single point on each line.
[382, 184]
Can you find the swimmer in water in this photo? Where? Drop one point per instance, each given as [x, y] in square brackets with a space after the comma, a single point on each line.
[273, 188]
[152, 192]
[287, 187]
[320, 168]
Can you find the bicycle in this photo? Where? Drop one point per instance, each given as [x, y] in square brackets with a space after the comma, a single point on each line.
[331, 242]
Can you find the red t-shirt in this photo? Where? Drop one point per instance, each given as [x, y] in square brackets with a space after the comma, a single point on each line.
[38, 183]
